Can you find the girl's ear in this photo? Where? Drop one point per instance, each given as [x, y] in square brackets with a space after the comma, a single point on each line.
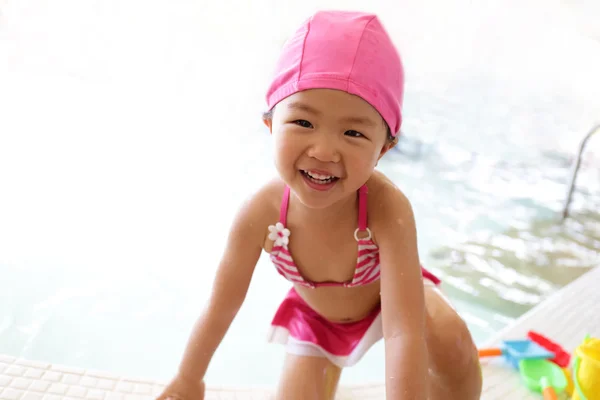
[268, 123]
[390, 144]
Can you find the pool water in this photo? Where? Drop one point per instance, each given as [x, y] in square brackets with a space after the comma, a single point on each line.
[123, 156]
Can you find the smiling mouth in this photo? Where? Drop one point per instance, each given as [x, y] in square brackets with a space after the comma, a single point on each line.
[319, 178]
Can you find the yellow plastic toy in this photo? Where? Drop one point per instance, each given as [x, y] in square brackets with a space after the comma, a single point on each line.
[570, 387]
[586, 370]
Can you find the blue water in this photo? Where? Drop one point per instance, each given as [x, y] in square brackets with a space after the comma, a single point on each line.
[124, 151]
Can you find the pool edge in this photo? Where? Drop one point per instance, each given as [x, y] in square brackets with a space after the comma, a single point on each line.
[22, 379]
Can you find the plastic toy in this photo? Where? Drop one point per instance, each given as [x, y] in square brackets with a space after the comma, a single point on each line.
[561, 357]
[517, 350]
[543, 376]
[570, 386]
[586, 370]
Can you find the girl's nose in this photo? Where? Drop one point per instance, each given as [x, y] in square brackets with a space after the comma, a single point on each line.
[325, 149]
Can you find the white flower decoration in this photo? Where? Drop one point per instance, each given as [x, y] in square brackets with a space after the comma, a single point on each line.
[279, 234]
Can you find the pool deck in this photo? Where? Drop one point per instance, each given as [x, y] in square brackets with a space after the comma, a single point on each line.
[567, 316]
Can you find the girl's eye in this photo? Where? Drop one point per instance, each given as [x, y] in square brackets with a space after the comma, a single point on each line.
[303, 123]
[353, 134]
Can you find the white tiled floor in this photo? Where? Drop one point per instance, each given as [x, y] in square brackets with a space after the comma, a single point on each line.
[566, 317]
[30, 380]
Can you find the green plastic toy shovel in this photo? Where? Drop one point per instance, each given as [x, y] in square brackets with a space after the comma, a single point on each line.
[543, 376]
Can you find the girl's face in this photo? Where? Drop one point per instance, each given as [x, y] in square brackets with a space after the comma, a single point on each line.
[327, 143]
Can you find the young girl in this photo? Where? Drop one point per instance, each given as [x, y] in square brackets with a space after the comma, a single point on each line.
[342, 233]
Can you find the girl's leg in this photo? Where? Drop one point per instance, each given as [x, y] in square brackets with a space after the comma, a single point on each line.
[308, 377]
[453, 360]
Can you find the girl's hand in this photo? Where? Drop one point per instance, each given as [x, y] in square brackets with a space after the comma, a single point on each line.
[182, 388]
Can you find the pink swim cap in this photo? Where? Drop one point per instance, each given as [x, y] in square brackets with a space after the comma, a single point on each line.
[343, 50]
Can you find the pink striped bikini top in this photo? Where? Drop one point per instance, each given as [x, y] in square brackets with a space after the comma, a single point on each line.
[367, 264]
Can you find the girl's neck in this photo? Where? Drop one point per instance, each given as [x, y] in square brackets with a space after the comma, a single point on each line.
[331, 215]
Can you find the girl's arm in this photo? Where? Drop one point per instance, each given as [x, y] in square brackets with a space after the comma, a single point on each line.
[402, 299]
[243, 248]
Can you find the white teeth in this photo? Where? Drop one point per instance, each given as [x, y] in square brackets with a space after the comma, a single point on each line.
[319, 176]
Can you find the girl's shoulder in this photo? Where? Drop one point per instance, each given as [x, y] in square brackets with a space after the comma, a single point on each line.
[256, 212]
[383, 191]
[264, 203]
[386, 203]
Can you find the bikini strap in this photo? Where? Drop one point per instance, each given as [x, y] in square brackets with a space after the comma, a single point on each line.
[362, 213]
[362, 207]
[284, 205]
